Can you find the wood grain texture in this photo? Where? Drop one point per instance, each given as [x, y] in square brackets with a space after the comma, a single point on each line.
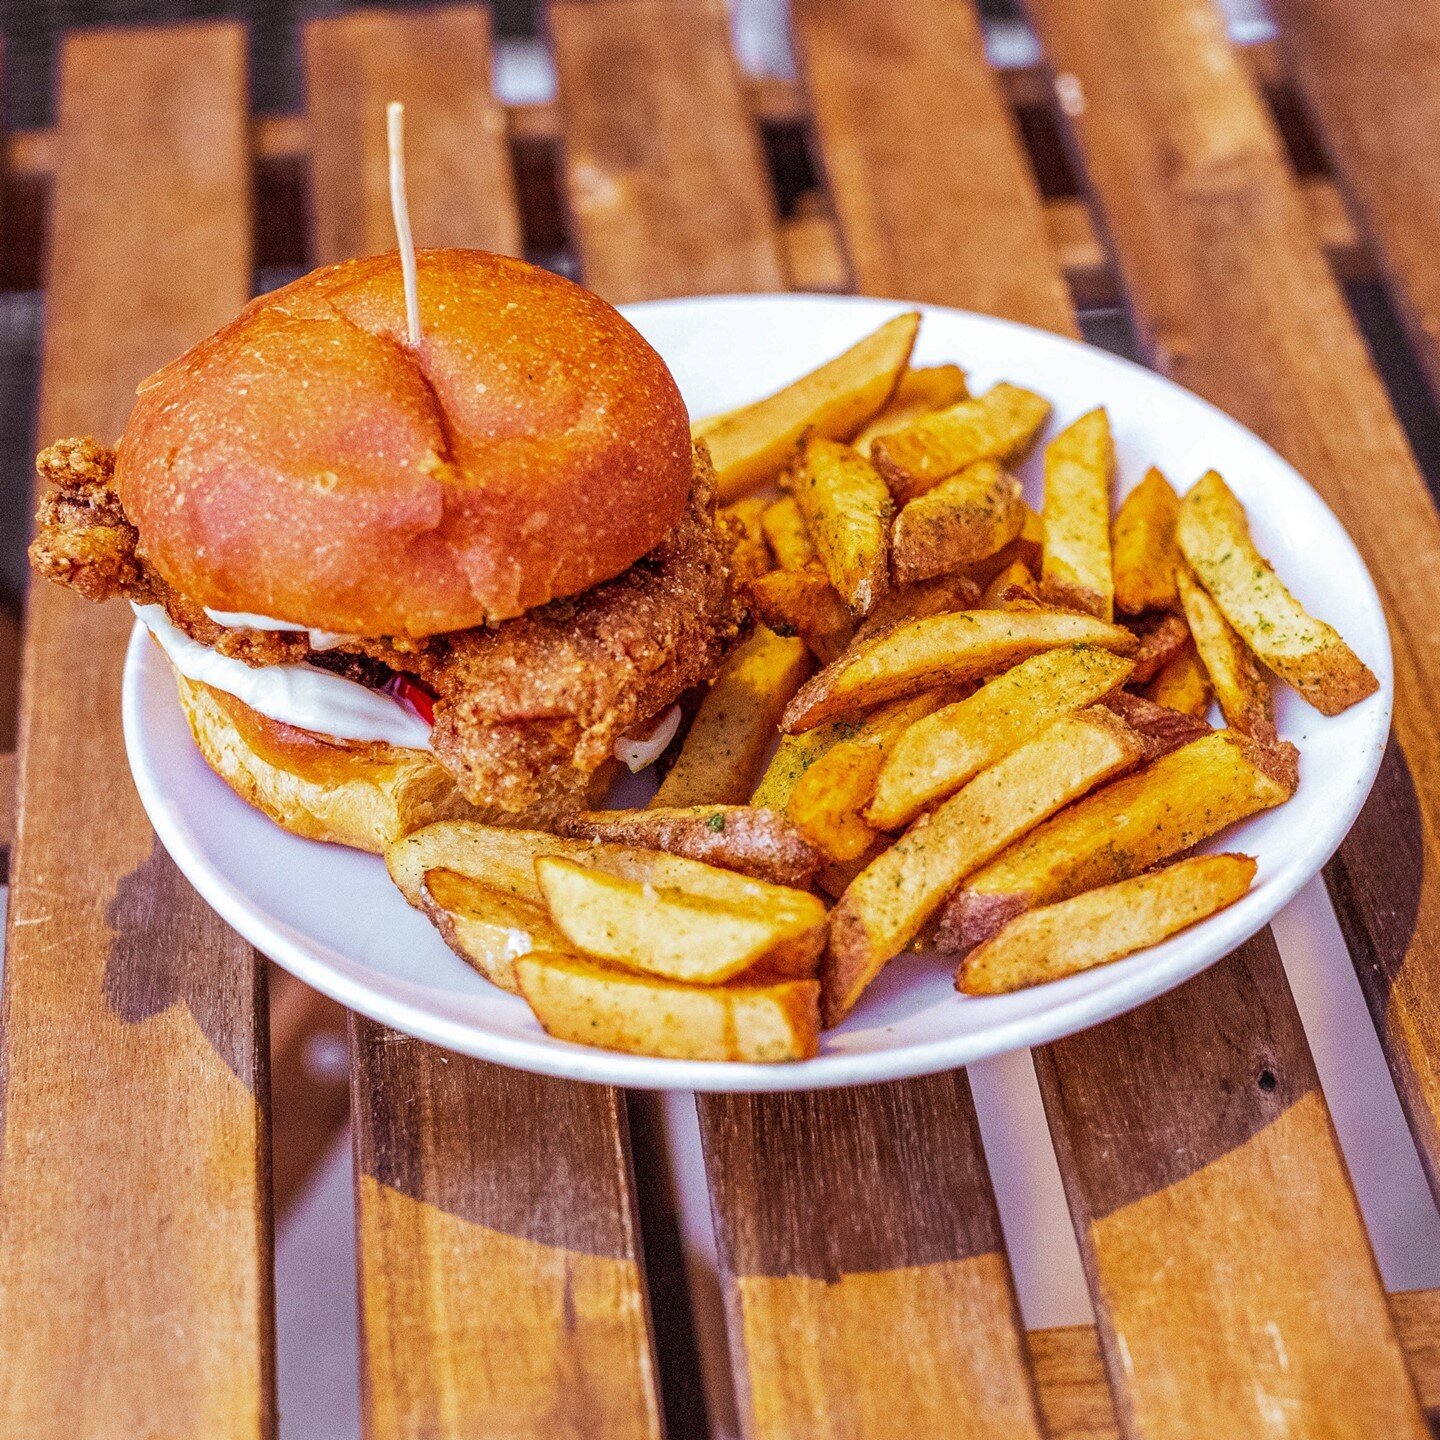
[1374, 89]
[500, 1281]
[845, 1218]
[134, 1217]
[923, 159]
[663, 171]
[501, 1290]
[1235, 1289]
[437, 62]
[1232, 298]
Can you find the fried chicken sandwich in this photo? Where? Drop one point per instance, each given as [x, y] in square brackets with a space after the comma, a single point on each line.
[402, 582]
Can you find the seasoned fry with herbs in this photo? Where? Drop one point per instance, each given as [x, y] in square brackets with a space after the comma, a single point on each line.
[847, 513]
[733, 730]
[793, 757]
[804, 603]
[1103, 925]
[752, 444]
[789, 539]
[486, 925]
[1013, 588]
[1133, 823]
[1079, 469]
[888, 902]
[1182, 683]
[942, 751]
[1143, 549]
[939, 651]
[920, 392]
[999, 425]
[1241, 687]
[1306, 653]
[964, 519]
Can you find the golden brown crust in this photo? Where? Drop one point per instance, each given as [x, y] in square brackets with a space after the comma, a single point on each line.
[304, 463]
[363, 795]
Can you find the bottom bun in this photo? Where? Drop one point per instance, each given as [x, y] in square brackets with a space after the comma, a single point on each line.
[366, 795]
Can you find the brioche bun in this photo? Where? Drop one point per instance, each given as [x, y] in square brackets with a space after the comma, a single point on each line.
[363, 795]
[305, 464]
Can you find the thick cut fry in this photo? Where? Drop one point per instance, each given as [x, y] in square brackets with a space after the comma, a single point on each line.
[678, 934]
[732, 732]
[939, 651]
[962, 520]
[943, 751]
[751, 445]
[999, 425]
[1026, 548]
[847, 513]
[1130, 825]
[752, 555]
[1241, 687]
[1182, 684]
[486, 925]
[790, 541]
[888, 903]
[501, 857]
[920, 392]
[827, 802]
[1306, 653]
[593, 1004]
[1079, 467]
[1162, 729]
[1012, 588]
[758, 843]
[804, 603]
[1103, 925]
[941, 596]
[794, 756]
[1160, 642]
[1143, 549]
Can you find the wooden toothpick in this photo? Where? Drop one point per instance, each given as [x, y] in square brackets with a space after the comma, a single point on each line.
[395, 134]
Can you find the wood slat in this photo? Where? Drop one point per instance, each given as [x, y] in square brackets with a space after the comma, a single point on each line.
[1374, 88]
[134, 1216]
[844, 1218]
[1241, 1008]
[1233, 299]
[500, 1282]
[663, 171]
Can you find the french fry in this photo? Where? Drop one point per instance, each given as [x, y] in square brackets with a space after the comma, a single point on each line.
[752, 444]
[828, 800]
[999, 425]
[1103, 925]
[1143, 549]
[790, 541]
[750, 841]
[752, 554]
[936, 652]
[920, 392]
[593, 1004]
[1306, 653]
[945, 750]
[1012, 588]
[1026, 548]
[1182, 683]
[679, 934]
[733, 729]
[793, 757]
[1133, 823]
[1075, 567]
[1161, 640]
[486, 925]
[804, 603]
[1241, 687]
[502, 858]
[965, 518]
[847, 513]
[1162, 729]
[888, 902]
[941, 596]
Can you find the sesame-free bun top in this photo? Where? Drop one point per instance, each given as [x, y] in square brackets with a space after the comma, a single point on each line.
[305, 464]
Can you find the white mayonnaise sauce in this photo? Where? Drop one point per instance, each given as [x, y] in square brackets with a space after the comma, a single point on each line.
[299, 695]
[244, 620]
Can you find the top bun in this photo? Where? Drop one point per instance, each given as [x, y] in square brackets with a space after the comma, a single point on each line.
[305, 464]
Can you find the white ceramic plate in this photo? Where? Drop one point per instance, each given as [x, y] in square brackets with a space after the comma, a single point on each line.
[331, 916]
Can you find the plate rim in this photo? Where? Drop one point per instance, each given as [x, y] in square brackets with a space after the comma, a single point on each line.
[544, 1055]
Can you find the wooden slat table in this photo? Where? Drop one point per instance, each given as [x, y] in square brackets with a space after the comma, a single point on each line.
[503, 1225]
